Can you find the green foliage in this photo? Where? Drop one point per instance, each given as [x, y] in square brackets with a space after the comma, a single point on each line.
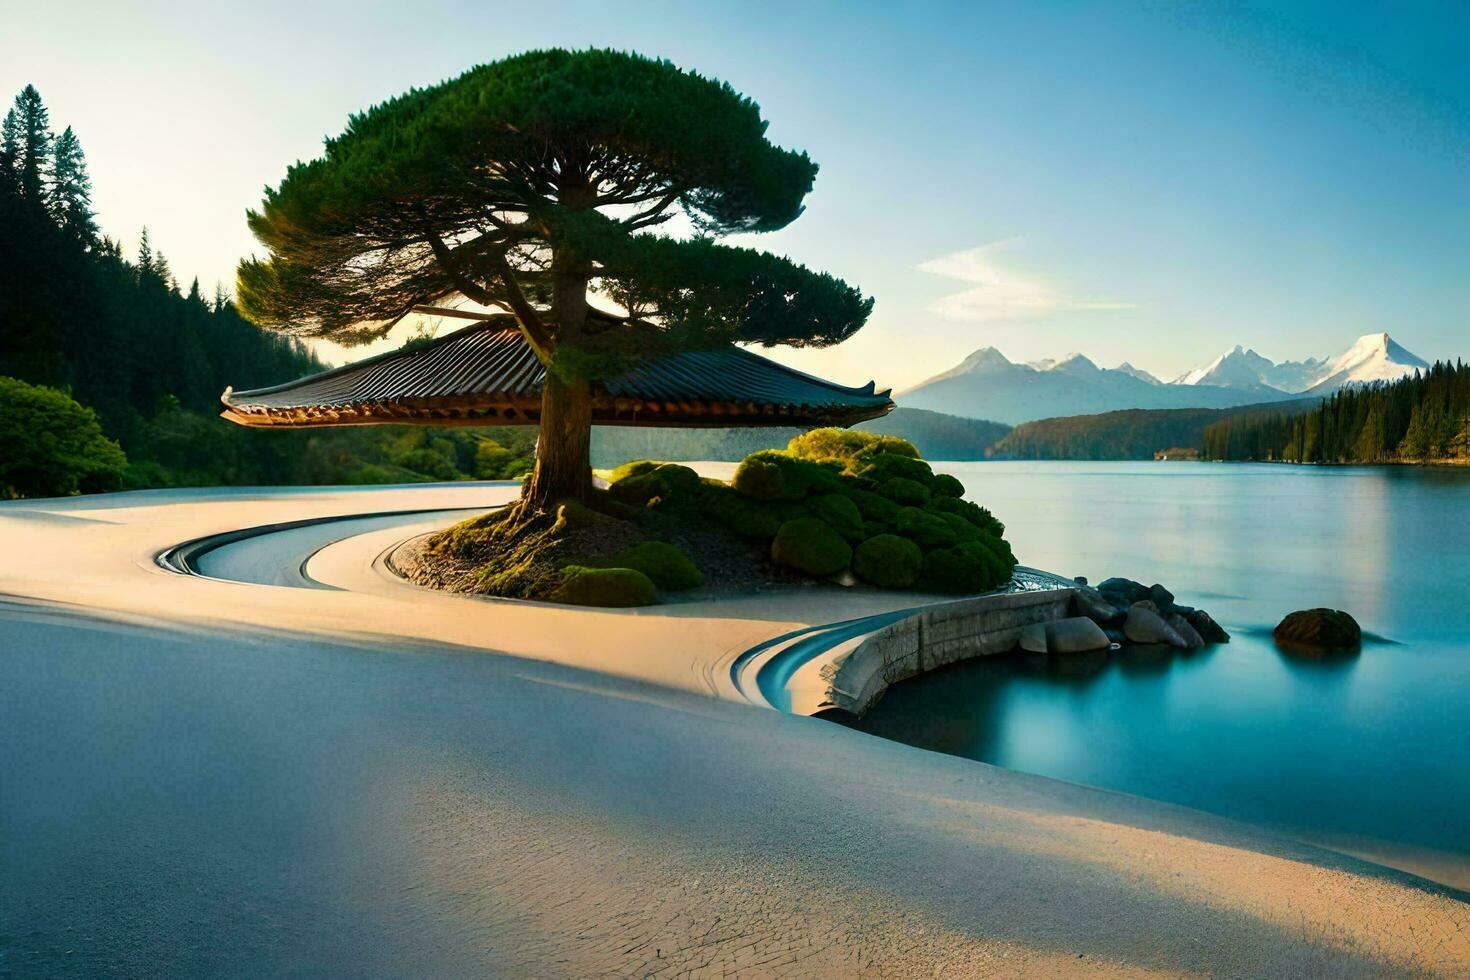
[968, 567]
[882, 467]
[945, 485]
[971, 512]
[810, 545]
[888, 561]
[1423, 418]
[606, 587]
[50, 446]
[839, 512]
[940, 436]
[904, 491]
[553, 143]
[667, 566]
[850, 448]
[873, 506]
[774, 475]
[927, 529]
[664, 481]
[746, 516]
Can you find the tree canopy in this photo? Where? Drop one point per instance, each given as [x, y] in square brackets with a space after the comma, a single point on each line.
[50, 446]
[552, 166]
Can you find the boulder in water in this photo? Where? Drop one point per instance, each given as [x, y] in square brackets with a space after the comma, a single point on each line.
[1192, 639]
[1205, 625]
[1096, 607]
[1033, 638]
[1075, 635]
[1144, 625]
[1123, 591]
[1319, 629]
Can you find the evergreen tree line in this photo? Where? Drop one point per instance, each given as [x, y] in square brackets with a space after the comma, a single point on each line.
[122, 338]
[1421, 418]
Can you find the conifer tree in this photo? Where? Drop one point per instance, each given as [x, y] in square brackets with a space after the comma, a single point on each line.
[71, 190]
[33, 143]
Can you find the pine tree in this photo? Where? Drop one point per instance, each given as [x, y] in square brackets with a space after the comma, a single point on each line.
[221, 297]
[71, 190]
[145, 255]
[10, 140]
[33, 143]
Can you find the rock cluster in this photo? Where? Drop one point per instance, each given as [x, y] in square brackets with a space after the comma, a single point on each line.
[1120, 611]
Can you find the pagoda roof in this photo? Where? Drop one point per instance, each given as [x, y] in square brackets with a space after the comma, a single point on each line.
[486, 374]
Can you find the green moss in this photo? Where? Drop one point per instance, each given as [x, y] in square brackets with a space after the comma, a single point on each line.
[746, 516]
[664, 564]
[966, 568]
[773, 475]
[574, 515]
[927, 530]
[873, 506]
[902, 490]
[970, 511]
[887, 466]
[945, 485]
[849, 448]
[608, 587]
[839, 512]
[636, 467]
[888, 561]
[664, 481]
[961, 529]
[810, 545]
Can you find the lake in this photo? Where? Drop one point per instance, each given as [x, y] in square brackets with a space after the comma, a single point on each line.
[1367, 753]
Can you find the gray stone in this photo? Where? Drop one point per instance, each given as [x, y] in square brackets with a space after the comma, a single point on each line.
[1075, 635]
[1147, 604]
[1033, 638]
[1095, 606]
[1126, 590]
[1161, 596]
[1144, 625]
[1209, 630]
[1192, 639]
[1080, 579]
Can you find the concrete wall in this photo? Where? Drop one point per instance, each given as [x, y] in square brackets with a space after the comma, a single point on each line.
[939, 635]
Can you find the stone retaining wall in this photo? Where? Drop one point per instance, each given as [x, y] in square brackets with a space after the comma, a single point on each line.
[939, 635]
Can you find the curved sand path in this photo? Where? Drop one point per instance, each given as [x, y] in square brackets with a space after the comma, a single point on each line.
[210, 776]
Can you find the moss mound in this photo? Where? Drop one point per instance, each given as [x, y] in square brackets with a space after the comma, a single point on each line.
[810, 545]
[888, 561]
[832, 500]
[608, 587]
[664, 564]
[838, 512]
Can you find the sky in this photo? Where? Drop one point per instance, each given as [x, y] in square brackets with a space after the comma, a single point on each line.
[1152, 183]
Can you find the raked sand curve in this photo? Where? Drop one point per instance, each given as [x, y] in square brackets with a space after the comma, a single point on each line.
[207, 775]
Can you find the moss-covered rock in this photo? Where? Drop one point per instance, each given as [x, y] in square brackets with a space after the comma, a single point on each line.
[810, 545]
[773, 475]
[573, 515]
[945, 485]
[850, 449]
[903, 491]
[746, 516]
[926, 529]
[608, 587]
[873, 506]
[665, 565]
[838, 511]
[970, 511]
[886, 466]
[665, 481]
[966, 568]
[634, 467]
[888, 561]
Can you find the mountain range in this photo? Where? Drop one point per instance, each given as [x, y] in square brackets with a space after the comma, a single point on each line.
[986, 385]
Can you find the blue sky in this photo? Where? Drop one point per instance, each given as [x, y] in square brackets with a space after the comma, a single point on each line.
[1150, 183]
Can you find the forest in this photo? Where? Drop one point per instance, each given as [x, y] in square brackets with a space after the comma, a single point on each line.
[1129, 434]
[1422, 418]
[119, 339]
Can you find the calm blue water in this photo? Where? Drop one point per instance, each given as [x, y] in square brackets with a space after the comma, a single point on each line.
[1370, 753]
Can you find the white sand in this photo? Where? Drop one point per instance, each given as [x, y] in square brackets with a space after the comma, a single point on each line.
[646, 822]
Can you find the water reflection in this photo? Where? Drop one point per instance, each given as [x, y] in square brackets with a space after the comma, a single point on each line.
[1350, 745]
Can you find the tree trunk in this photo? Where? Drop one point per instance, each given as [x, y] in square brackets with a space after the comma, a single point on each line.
[563, 468]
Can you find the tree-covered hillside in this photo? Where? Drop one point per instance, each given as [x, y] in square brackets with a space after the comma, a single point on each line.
[1130, 434]
[119, 336]
[1424, 418]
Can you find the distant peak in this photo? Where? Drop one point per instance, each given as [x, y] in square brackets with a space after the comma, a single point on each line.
[987, 355]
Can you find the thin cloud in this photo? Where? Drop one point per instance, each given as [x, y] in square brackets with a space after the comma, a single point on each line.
[1001, 293]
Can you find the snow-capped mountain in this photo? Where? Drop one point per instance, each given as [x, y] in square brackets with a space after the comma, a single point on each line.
[1372, 357]
[986, 385]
